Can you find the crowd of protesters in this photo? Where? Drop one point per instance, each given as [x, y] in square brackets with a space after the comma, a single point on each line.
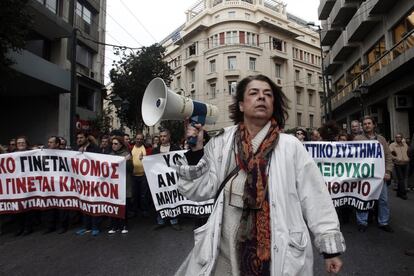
[398, 157]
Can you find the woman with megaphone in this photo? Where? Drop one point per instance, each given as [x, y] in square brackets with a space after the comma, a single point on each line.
[268, 191]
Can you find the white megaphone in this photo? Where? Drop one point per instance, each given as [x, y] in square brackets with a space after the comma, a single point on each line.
[160, 103]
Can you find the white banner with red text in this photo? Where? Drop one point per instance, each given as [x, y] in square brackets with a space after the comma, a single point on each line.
[162, 180]
[46, 179]
[353, 171]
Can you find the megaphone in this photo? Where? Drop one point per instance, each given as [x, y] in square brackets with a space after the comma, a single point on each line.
[160, 103]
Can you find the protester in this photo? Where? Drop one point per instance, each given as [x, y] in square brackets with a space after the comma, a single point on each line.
[355, 128]
[120, 148]
[12, 146]
[343, 136]
[315, 135]
[329, 131]
[155, 142]
[274, 193]
[51, 216]
[104, 146]
[399, 151]
[127, 140]
[368, 125]
[148, 145]
[63, 144]
[25, 220]
[140, 189]
[165, 146]
[90, 223]
[301, 135]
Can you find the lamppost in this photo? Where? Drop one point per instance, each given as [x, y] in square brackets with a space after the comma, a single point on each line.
[360, 93]
[326, 98]
[121, 106]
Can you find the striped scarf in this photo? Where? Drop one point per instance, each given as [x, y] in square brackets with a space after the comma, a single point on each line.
[253, 235]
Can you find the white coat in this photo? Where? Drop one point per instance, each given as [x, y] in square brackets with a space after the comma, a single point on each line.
[298, 199]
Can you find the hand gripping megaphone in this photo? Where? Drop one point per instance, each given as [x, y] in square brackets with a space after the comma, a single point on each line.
[160, 103]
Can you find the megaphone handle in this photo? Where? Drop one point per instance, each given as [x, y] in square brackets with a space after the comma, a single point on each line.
[192, 140]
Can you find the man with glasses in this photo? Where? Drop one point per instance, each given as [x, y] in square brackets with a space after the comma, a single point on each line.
[399, 151]
[301, 135]
[12, 146]
[140, 190]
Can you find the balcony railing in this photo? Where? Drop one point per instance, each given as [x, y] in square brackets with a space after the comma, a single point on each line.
[371, 70]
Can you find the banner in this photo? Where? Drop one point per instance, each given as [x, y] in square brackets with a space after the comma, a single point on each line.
[353, 171]
[162, 180]
[46, 179]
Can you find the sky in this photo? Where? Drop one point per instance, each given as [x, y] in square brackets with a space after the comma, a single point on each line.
[142, 23]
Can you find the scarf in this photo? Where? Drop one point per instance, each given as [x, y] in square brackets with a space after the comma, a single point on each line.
[253, 235]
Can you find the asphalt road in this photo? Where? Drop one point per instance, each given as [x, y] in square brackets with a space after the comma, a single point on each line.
[145, 251]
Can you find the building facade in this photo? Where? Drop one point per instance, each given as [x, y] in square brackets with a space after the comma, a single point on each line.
[370, 60]
[37, 102]
[224, 41]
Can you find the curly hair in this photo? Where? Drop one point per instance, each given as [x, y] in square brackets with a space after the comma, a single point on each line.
[280, 103]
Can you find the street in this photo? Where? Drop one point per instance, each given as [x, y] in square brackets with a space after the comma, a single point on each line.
[146, 251]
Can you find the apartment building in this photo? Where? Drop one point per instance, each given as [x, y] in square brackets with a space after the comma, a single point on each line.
[370, 60]
[224, 41]
[36, 103]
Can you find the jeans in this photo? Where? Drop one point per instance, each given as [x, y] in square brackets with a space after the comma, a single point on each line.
[401, 173]
[161, 221]
[383, 209]
[140, 194]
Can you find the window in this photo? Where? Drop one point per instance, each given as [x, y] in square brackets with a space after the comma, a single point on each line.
[215, 40]
[231, 37]
[51, 5]
[83, 12]
[247, 16]
[340, 84]
[192, 50]
[179, 82]
[400, 30]
[232, 88]
[231, 63]
[212, 90]
[84, 56]
[192, 75]
[299, 119]
[86, 98]
[309, 78]
[212, 66]
[297, 75]
[375, 52]
[311, 120]
[252, 64]
[298, 97]
[311, 99]
[276, 44]
[278, 70]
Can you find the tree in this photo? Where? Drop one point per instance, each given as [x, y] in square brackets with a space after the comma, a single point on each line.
[14, 26]
[131, 75]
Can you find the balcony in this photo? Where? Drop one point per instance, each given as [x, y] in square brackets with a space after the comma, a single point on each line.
[342, 12]
[329, 34]
[275, 54]
[190, 61]
[330, 65]
[231, 73]
[342, 48]
[211, 76]
[47, 23]
[38, 76]
[325, 8]
[299, 83]
[381, 6]
[362, 23]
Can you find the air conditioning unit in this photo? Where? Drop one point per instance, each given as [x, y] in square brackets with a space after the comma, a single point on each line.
[403, 102]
